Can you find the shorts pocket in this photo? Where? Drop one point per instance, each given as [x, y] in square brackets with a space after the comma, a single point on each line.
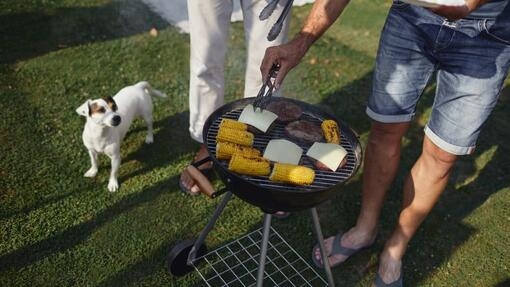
[498, 30]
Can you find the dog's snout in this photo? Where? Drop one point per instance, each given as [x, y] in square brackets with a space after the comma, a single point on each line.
[116, 120]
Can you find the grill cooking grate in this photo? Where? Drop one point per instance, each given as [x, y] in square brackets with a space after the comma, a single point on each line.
[323, 179]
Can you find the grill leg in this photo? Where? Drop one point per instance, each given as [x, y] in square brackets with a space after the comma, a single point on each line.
[263, 249]
[320, 239]
[208, 227]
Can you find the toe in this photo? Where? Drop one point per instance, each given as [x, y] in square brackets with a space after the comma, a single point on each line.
[195, 189]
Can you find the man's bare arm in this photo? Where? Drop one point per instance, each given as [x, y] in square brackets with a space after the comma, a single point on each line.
[322, 15]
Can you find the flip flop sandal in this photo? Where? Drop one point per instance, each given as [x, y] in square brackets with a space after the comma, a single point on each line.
[337, 248]
[380, 283]
[208, 172]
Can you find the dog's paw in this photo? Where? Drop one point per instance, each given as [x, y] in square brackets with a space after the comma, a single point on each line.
[113, 185]
[149, 139]
[91, 172]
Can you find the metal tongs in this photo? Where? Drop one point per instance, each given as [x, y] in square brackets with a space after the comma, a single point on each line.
[263, 97]
[268, 10]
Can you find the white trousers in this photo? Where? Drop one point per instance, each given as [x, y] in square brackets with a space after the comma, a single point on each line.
[209, 22]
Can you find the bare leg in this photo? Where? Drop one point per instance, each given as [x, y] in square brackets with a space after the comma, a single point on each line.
[93, 162]
[380, 167]
[422, 188]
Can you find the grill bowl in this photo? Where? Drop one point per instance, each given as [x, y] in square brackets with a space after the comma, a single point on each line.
[272, 196]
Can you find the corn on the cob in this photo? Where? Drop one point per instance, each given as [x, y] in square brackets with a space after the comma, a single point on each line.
[225, 150]
[242, 164]
[294, 174]
[331, 131]
[233, 124]
[235, 136]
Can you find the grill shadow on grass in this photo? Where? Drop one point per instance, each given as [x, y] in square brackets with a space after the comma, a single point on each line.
[30, 34]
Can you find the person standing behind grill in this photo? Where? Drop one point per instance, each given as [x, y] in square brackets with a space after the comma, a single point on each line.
[209, 22]
[469, 48]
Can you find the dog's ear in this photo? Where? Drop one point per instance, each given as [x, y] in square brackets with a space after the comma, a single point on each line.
[111, 103]
[84, 109]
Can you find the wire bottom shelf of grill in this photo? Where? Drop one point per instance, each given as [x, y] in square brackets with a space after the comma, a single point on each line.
[236, 264]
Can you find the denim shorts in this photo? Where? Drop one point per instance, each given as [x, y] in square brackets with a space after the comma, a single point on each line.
[470, 63]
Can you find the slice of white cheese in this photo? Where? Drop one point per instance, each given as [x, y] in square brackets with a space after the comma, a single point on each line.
[261, 119]
[331, 155]
[283, 151]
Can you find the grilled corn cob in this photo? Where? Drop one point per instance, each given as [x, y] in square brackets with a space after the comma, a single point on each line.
[233, 124]
[242, 164]
[331, 131]
[234, 136]
[294, 174]
[225, 150]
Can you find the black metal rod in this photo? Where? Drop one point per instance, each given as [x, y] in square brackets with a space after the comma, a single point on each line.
[201, 238]
[263, 249]
[320, 239]
[202, 161]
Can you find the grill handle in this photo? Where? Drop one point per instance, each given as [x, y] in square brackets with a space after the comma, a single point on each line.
[202, 182]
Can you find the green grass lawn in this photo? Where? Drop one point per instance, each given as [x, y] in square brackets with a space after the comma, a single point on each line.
[58, 228]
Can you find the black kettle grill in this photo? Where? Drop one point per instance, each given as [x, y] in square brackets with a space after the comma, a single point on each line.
[260, 191]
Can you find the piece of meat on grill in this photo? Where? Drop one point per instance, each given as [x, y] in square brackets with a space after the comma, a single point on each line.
[286, 111]
[304, 131]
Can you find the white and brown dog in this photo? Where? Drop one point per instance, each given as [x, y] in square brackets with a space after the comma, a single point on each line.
[108, 121]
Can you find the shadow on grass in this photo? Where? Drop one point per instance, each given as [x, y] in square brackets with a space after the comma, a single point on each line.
[169, 143]
[504, 283]
[149, 264]
[167, 146]
[26, 189]
[157, 260]
[74, 235]
[30, 34]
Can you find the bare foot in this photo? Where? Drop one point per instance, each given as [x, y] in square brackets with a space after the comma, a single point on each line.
[353, 239]
[186, 180]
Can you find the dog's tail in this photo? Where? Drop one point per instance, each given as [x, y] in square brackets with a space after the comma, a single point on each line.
[150, 90]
